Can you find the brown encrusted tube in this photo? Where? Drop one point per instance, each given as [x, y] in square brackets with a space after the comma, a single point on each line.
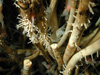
[78, 28]
[93, 48]
[27, 15]
[44, 52]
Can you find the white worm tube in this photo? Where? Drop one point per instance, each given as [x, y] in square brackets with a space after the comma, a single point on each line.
[81, 19]
[57, 56]
[26, 67]
[69, 26]
[88, 38]
[93, 48]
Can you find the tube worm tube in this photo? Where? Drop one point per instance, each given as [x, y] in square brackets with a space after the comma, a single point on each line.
[29, 28]
[53, 26]
[10, 52]
[34, 55]
[1, 15]
[93, 48]
[69, 23]
[6, 60]
[96, 37]
[52, 4]
[86, 72]
[27, 67]
[81, 19]
[45, 40]
[57, 56]
[44, 53]
[50, 9]
[88, 38]
[77, 70]
[23, 51]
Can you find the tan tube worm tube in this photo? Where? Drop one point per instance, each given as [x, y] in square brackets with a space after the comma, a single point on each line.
[34, 55]
[81, 19]
[50, 9]
[88, 38]
[69, 24]
[52, 4]
[95, 38]
[57, 56]
[93, 48]
[27, 67]
[91, 37]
